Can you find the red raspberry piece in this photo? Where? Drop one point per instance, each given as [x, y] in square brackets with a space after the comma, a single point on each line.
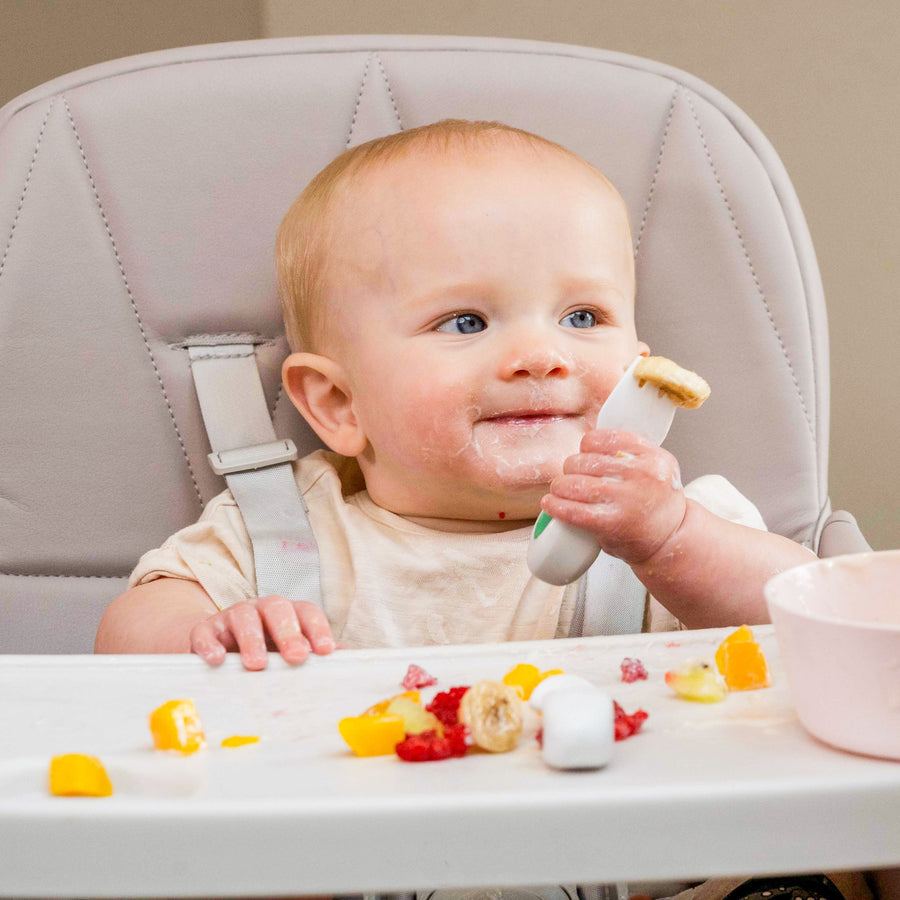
[625, 724]
[632, 669]
[445, 705]
[416, 677]
[428, 747]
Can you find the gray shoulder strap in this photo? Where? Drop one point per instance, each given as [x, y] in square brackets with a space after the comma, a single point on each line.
[256, 465]
[610, 600]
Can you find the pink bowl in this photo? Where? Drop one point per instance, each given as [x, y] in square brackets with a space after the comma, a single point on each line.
[837, 622]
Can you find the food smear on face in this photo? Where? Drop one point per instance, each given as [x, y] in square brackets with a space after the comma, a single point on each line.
[77, 775]
[176, 726]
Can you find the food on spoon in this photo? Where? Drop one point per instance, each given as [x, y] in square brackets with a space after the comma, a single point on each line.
[176, 726]
[77, 775]
[372, 735]
[527, 677]
[492, 711]
[683, 387]
[697, 680]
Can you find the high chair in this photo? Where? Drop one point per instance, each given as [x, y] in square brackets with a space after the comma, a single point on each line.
[139, 201]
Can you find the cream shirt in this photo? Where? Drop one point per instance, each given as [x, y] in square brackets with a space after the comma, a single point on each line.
[389, 582]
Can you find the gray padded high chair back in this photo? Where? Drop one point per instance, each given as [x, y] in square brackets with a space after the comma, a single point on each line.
[138, 205]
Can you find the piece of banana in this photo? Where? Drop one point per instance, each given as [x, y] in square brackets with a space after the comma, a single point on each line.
[492, 711]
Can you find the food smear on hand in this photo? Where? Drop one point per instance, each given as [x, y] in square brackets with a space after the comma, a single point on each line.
[240, 740]
[626, 724]
[176, 726]
[416, 677]
[372, 735]
[526, 677]
[492, 711]
[632, 670]
[697, 680]
[77, 775]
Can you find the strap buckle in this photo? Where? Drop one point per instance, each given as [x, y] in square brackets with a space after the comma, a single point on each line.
[256, 456]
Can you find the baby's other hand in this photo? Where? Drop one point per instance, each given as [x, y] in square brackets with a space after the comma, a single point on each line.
[624, 489]
[253, 626]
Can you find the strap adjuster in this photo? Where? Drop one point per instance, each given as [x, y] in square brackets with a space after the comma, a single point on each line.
[257, 456]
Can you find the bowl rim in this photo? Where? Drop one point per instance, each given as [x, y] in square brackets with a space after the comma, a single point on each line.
[845, 559]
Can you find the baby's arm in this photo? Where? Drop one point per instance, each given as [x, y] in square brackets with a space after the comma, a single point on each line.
[175, 615]
[705, 570]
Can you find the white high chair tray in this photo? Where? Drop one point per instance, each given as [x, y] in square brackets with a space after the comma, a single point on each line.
[704, 789]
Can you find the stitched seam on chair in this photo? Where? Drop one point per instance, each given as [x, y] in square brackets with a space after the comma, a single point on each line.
[37, 146]
[751, 267]
[134, 308]
[278, 395]
[387, 84]
[33, 575]
[222, 356]
[359, 94]
[659, 156]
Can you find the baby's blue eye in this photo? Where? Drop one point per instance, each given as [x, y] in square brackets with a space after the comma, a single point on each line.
[465, 323]
[581, 318]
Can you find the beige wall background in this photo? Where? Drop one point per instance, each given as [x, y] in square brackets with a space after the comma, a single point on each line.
[820, 77]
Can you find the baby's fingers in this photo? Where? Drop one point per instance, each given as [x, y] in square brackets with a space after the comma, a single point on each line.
[244, 623]
[315, 626]
[283, 627]
[209, 641]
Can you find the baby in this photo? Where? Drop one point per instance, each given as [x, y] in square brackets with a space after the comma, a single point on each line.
[460, 302]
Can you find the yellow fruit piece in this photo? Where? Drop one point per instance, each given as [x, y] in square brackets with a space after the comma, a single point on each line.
[745, 667]
[493, 714]
[380, 708]
[698, 681]
[176, 726]
[416, 718]
[240, 740]
[742, 634]
[76, 775]
[525, 678]
[371, 735]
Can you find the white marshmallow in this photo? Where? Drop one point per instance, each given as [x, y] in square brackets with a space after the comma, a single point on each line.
[554, 683]
[578, 730]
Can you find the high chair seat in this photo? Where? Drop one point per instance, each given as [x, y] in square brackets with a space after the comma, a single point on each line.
[138, 206]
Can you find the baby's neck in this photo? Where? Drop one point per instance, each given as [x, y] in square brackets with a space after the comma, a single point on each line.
[468, 526]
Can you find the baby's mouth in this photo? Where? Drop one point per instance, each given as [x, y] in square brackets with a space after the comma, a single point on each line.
[530, 418]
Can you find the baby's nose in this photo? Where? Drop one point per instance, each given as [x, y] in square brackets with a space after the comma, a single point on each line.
[535, 359]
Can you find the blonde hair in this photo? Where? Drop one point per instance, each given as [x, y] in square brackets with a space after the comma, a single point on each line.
[303, 236]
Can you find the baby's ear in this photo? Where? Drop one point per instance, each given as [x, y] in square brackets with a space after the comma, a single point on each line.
[321, 392]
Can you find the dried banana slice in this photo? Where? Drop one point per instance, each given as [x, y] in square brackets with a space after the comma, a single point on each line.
[684, 388]
[492, 711]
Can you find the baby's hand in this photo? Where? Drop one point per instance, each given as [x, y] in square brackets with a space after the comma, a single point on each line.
[291, 627]
[622, 488]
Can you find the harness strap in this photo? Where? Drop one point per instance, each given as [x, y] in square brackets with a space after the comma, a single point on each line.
[256, 466]
[610, 600]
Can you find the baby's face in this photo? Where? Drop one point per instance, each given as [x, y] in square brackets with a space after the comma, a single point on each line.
[482, 308]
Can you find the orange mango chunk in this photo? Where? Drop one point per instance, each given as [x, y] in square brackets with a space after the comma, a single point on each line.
[176, 726]
[372, 735]
[380, 708]
[740, 636]
[525, 677]
[76, 775]
[745, 667]
[240, 740]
